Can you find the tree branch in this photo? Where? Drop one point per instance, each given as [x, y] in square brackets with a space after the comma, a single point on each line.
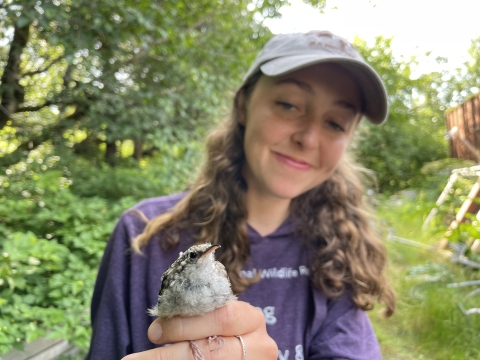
[4, 111]
[39, 71]
[34, 108]
[10, 78]
[34, 141]
[67, 77]
[26, 146]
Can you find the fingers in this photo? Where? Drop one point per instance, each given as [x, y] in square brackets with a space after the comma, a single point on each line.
[235, 318]
[178, 351]
[256, 347]
[232, 349]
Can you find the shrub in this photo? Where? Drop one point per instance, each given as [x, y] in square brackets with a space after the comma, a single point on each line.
[54, 225]
[48, 263]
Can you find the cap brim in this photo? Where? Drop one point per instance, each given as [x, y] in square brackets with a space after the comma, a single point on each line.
[371, 85]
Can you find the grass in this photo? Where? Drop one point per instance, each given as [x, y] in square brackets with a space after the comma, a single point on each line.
[428, 323]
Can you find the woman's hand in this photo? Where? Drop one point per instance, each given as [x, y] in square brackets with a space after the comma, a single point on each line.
[235, 318]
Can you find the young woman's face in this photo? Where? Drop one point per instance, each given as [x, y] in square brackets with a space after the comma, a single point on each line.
[297, 127]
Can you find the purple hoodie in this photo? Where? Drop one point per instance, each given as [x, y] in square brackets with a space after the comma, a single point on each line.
[301, 319]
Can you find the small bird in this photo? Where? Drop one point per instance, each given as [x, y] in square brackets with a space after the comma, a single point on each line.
[193, 285]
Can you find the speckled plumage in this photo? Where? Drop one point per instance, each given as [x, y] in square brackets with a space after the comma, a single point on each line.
[194, 284]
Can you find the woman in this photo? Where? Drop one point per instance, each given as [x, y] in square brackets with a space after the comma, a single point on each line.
[279, 195]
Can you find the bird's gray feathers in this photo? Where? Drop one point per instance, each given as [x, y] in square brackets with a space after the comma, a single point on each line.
[194, 284]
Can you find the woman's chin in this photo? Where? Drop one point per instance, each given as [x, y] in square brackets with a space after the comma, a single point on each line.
[288, 192]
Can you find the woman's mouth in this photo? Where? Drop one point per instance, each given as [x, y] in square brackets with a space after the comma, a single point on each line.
[292, 162]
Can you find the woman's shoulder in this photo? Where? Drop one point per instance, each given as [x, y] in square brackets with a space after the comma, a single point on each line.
[156, 206]
[133, 220]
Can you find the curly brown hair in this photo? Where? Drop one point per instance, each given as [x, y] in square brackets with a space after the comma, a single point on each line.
[332, 221]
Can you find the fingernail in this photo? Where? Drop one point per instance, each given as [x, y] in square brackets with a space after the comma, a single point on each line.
[155, 332]
[130, 357]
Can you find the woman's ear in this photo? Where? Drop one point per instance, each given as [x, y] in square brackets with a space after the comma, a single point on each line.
[241, 105]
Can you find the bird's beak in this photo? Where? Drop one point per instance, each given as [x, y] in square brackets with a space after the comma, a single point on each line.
[211, 249]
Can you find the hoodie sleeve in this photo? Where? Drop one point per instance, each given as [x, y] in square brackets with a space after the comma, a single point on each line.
[127, 285]
[345, 333]
[110, 309]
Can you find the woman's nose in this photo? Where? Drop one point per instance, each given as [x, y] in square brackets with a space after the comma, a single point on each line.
[308, 135]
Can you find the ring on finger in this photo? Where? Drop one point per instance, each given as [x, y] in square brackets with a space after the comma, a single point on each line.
[243, 346]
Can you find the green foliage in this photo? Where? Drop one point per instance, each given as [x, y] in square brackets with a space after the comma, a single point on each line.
[464, 83]
[413, 134]
[54, 224]
[44, 289]
[468, 230]
[428, 323]
[163, 174]
[466, 233]
[50, 253]
[436, 174]
[47, 277]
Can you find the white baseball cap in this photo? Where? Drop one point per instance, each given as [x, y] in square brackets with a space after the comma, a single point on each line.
[285, 53]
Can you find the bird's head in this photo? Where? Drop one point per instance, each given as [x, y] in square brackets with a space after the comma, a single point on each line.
[196, 253]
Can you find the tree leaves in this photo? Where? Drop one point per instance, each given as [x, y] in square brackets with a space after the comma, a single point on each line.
[23, 21]
[131, 63]
[412, 136]
[54, 226]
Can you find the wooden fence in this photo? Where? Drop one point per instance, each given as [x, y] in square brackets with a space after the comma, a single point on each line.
[466, 118]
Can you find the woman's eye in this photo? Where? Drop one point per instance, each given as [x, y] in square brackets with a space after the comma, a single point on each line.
[335, 126]
[286, 106]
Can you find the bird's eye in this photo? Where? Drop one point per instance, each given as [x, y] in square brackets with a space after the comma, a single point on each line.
[193, 255]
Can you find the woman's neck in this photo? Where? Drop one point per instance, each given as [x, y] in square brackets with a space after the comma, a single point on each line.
[266, 213]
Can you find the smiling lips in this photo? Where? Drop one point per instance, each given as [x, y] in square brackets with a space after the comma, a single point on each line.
[291, 162]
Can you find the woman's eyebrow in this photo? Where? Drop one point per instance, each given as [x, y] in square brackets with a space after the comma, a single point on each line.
[300, 84]
[347, 105]
[308, 88]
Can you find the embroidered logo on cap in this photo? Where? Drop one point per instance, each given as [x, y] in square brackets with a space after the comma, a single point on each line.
[332, 42]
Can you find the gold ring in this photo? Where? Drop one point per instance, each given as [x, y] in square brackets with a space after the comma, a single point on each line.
[243, 345]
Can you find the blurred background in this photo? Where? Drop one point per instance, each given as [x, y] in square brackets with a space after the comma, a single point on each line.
[105, 103]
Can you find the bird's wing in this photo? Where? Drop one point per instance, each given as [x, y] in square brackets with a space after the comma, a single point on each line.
[168, 276]
[165, 281]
